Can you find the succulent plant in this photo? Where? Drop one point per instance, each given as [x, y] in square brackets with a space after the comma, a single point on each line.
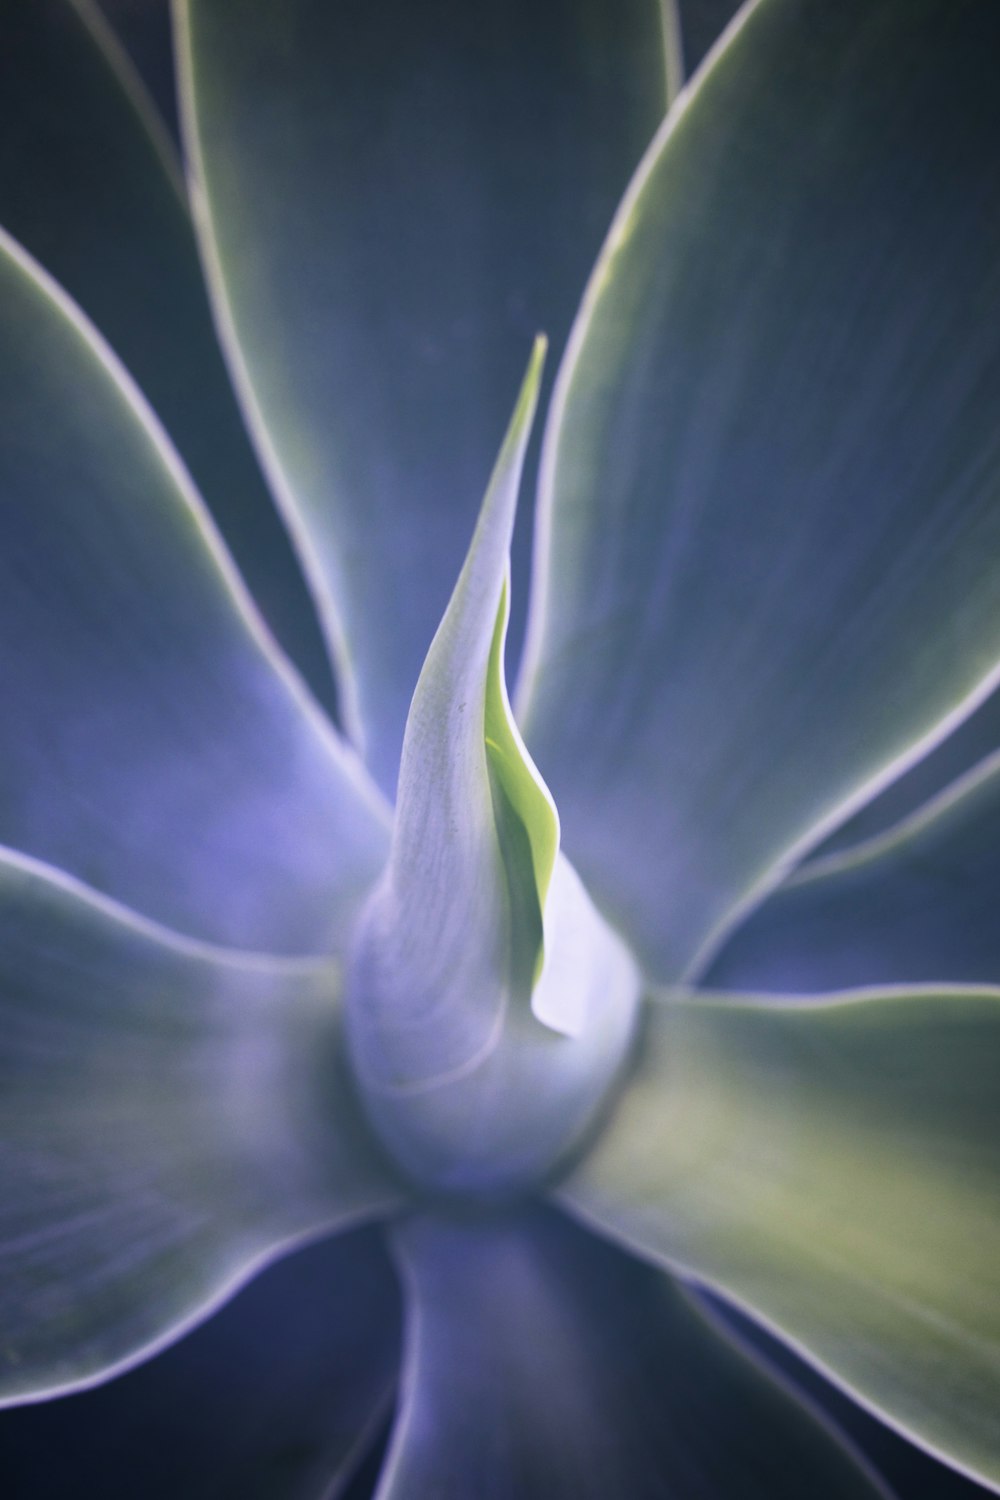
[673, 988]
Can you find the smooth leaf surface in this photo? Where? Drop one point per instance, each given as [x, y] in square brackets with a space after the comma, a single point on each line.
[917, 904]
[833, 1167]
[907, 1470]
[92, 186]
[395, 199]
[274, 1398]
[520, 797]
[540, 1362]
[170, 1118]
[144, 29]
[154, 742]
[767, 574]
[466, 1085]
[969, 745]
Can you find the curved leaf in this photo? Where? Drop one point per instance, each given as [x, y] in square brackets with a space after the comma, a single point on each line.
[170, 1118]
[276, 1397]
[540, 1362]
[436, 951]
[394, 198]
[767, 578]
[917, 904]
[701, 24]
[834, 1168]
[142, 28]
[154, 743]
[91, 185]
[949, 763]
[473, 896]
[906, 1469]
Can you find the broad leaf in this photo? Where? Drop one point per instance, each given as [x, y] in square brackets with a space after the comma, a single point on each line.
[276, 1397]
[170, 1118]
[154, 742]
[90, 184]
[394, 199]
[768, 573]
[541, 1363]
[834, 1168]
[916, 904]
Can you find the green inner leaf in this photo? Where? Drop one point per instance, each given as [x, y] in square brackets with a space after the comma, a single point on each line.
[520, 796]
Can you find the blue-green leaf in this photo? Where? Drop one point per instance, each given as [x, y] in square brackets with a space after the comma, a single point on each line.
[834, 1168]
[916, 904]
[170, 1117]
[154, 742]
[91, 185]
[278, 1396]
[948, 763]
[768, 576]
[394, 198]
[542, 1364]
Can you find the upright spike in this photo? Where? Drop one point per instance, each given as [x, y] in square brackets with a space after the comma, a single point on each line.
[468, 1085]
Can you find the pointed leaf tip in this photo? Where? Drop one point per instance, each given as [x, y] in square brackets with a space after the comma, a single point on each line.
[440, 918]
[451, 945]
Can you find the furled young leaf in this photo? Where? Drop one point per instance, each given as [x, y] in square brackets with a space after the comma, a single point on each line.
[464, 1081]
[542, 1363]
[415, 190]
[770, 493]
[154, 742]
[916, 904]
[170, 1118]
[91, 185]
[835, 1168]
[438, 932]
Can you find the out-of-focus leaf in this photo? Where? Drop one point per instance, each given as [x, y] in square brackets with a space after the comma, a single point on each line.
[395, 198]
[143, 28]
[541, 1362]
[272, 1399]
[910, 1472]
[959, 753]
[465, 1083]
[169, 1118]
[770, 521]
[154, 742]
[834, 1167]
[91, 186]
[701, 24]
[917, 904]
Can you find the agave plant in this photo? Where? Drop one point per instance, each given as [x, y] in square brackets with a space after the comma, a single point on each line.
[673, 987]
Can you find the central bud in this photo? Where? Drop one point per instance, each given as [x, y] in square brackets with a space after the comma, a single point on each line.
[489, 1007]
